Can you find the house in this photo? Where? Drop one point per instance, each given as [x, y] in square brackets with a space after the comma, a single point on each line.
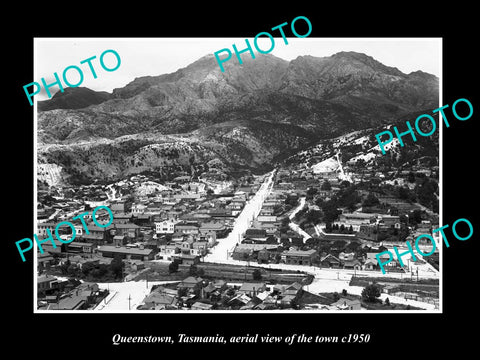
[122, 218]
[209, 237]
[352, 264]
[289, 293]
[97, 235]
[255, 233]
[199, 248]
[299, 257]
[71, 302]
[267, 255]
[330, 261]
[241, 253]
[137, 265]
[120, 240]
[46, 283]
[389, 221]
[191, 282]
[128, 229]
[138, 209]
[371, 264]
[187, 259]
[217, 227]
[142, 220]
[252, 289]
[346, 304]
[119, 207]
[267, 218]
[178, 237]
[392, 265]
[45, 261]
[126, 252]
[156, 299]
[220, 214]
[240, 299]
[166, 252]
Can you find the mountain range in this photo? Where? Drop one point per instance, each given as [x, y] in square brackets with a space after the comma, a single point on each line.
[199, 120]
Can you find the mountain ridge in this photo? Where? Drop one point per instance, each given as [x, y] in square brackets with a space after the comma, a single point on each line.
[268, 107]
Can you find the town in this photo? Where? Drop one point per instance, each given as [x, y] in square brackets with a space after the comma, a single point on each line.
[299, 237]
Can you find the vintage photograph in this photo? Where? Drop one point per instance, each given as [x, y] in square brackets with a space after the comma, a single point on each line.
[260, 188]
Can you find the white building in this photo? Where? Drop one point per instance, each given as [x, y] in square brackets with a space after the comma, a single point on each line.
[165, 227]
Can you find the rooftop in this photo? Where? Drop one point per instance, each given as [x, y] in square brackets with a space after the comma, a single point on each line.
[124, 250]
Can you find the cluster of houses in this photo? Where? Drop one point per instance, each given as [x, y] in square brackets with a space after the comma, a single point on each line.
[58, 294]
[177, 224]
[196, 293]
[276, 253]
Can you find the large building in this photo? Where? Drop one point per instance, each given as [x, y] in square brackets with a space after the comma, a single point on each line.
[126, 252]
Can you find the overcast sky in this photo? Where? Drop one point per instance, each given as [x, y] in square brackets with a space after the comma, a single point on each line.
[155, 56]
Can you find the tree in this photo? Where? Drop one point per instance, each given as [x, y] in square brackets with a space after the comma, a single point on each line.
[173, 267]
[411, 177]
[328, 227]
[313, 216]
[311, 192]
[326, 185]
[64, 267]
[370, 200]
[257, 275]
[371, 292]
[192, 271]
[87, 268]
[387, 301]
[116, 266]
[72, 270]
[344, 292]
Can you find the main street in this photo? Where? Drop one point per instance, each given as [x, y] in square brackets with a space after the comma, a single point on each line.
[220, 253]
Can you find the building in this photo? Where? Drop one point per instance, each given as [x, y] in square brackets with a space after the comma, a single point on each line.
[138, 209]
[187, 228]
[330, 261]
[46, 283]
[80, 247]
[127, 229]
[165, 226]
[122, 218]
[252, 289]
[390, 221]
[166, 252]
[126, 253]
[42, 229]
[346, 304]
[191, 282]
[218, 227]
[299, 257]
